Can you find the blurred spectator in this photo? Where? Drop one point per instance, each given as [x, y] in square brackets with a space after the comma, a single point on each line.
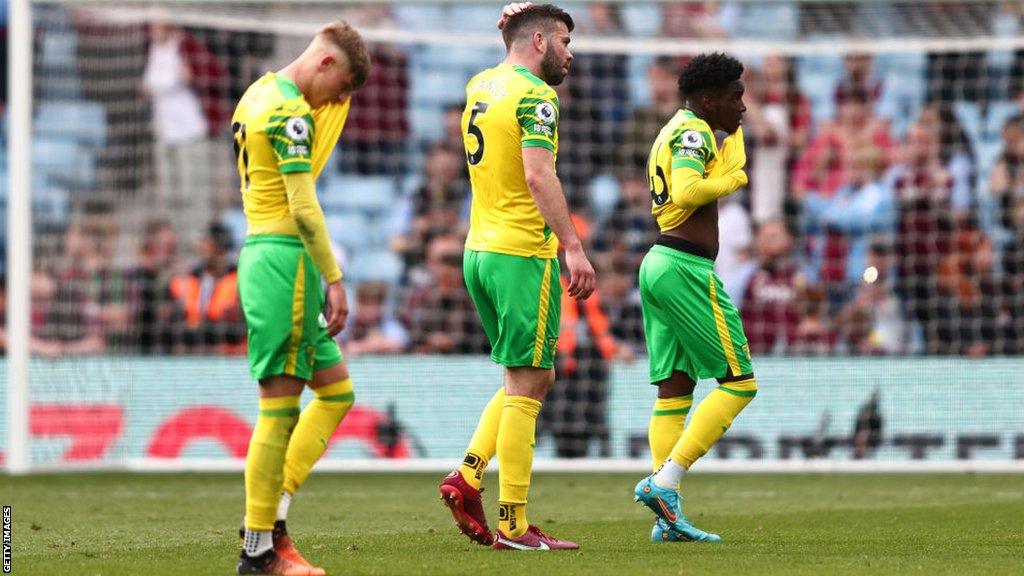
[151, 280]
[644, 122]
[599, 83]
[949, 148]
[629, 229]
[815, 334]
[974, 304]
[439, 206]
[924, 226]
[1013, 268]
[176, 67]
[575, 149]
[208, 312]
[690, 20]
[371, 329]
[777, 123]
[872, 322]
[224, 63]
[824, 168]
[845, 222]
[1006, 179]
[452, 122]
[735, 260]
[771, 300]
[575, 409]
[377, 129]
[617, 282]
[239, 60]
[68, 305]
[41, 290]
[857, 79]
[440, 315]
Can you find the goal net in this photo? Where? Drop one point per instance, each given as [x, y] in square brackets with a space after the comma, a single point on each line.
[876, 256]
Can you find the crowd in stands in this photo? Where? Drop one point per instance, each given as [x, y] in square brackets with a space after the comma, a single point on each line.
[884, 214]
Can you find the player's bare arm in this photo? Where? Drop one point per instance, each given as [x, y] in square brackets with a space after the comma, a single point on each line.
[539, 166]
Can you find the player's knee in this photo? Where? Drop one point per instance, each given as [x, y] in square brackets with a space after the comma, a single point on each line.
[679, 384]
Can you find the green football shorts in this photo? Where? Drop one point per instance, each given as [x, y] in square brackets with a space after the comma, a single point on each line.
[690, 323]
[282, 297]
[519, 301]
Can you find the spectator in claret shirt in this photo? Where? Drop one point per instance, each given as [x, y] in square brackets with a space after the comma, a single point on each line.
[771, 298]
[377, 130]
[924, 226]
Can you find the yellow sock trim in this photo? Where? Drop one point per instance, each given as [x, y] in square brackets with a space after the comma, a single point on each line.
[512, 519]
[316, 425]
[264, 463]
[484, 443]
[667, 421]
[516, 435]
[712, 418]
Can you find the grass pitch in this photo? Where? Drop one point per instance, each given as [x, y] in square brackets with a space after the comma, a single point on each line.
[120, 524]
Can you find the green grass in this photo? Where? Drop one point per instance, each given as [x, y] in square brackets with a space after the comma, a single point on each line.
[395, 524]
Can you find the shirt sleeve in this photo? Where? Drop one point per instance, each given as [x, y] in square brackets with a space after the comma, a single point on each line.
[692, 148]
[538, 118]
[290, 131]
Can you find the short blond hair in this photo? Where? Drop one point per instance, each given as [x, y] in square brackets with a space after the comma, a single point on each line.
[348, 39]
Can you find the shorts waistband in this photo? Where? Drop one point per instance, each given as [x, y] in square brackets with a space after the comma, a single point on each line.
[681, 245]
[273, 239]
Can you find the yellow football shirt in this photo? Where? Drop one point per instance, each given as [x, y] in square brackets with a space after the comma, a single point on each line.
[507, 109]
[685, 143]
[277, 133]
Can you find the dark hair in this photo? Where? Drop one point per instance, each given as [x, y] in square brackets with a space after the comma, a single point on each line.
[709, 72]
[542, 16]
[221, 236]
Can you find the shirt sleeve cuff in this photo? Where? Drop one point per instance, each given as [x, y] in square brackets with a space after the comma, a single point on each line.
[538, 144]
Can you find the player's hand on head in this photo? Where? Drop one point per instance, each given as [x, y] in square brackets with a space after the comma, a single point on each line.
[336, 307]
[582, 277]
[511, 9]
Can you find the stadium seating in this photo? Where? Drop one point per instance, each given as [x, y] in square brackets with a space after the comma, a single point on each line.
[82, 121]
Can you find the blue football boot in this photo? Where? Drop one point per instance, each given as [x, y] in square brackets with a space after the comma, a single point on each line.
[668, 505]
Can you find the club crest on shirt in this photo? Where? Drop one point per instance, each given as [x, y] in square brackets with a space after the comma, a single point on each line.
[296, 129]
[692, 139]
[545, 112]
